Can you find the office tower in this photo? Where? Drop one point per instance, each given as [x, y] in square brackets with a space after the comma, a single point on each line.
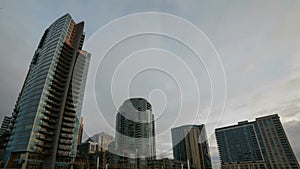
[103, 140]
[135, 130]
[190, 144]
[48, 109]
[239, 146]
[80, 131]
[257, 144]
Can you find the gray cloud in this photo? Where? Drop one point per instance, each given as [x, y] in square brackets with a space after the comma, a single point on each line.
[258, 43]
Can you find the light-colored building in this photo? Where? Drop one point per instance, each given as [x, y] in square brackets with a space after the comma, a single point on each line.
[80, 130]
[103, 139]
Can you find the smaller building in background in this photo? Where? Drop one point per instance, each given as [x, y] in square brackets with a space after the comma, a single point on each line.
[5, 132]
[103, 139]
[88, 147]
[80, 131]
[190, 145]
[87, 155]
[257, 144]
[4, 136]
[5, 127]
[167, 163]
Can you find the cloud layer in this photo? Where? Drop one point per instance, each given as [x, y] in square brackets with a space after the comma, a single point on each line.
[258, 43]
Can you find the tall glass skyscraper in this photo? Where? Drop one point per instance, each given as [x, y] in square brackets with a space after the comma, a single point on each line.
[135, 130]
[47, 112]
[190, 144]
[258, 144]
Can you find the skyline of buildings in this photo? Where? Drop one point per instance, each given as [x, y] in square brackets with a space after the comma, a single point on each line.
[257, 42]
[47, 111]
[48, 127]
[190, 144]
[258, 144]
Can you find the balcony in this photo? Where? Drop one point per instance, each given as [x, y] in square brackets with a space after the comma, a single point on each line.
[66, 136]
[60, 72]
[65, 142]
[50, 107]
[63, 153]
[67, 125]
[46, 125]
[48, 113]
[70, 105]
[52, 96]
[57, 84]
[64, 147]
[65, 130]
[70, 114]
[61, 69]
[66, 53]
[58, 80]
[73, 97]
[43, 138]
[56, 87]
[58, 76]
[47, 119]
[70, 108]
[41, 150]
[53, 103]
[43, 131]
[43, 145]
[70, 120]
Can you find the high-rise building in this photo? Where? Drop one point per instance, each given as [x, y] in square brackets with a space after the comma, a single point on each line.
[190, 145]
[257, 144]
[238, 146]
[135, 129]
[47, 111]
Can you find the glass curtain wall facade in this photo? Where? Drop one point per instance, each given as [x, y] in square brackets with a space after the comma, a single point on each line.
[190, 144]
[135, 129]
[239, 146]
[47, 111]
[258, 144]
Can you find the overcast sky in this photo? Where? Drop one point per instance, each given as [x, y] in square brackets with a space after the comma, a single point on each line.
[257, 43]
